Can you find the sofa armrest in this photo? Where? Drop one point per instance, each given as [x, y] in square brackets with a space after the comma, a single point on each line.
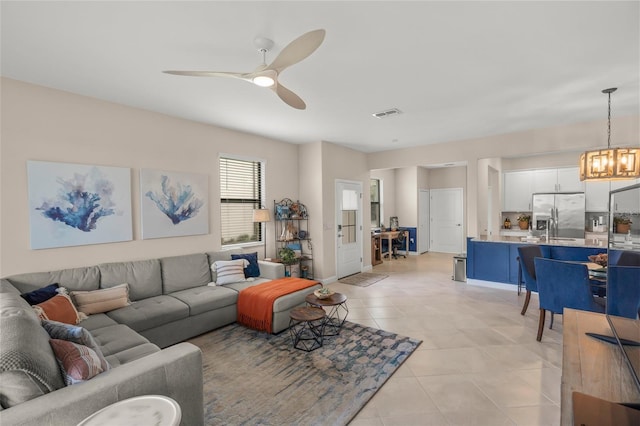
[175, 372]
[271, 270]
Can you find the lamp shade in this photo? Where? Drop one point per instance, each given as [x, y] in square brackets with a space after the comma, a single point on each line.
[261, 215]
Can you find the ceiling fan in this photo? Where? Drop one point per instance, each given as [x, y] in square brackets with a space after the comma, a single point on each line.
[267, 75]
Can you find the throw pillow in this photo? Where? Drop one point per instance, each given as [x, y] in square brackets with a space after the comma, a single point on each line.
[59, 308]
[253, 269]
[75, 334]
[77, 362]
[229, 271]
[41, 295]
[104, 300]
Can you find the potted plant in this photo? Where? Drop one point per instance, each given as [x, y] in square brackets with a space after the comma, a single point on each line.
[523, 221]
[287, 256]
[622, 224]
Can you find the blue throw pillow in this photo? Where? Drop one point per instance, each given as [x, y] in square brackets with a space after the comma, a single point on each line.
[41, 295]
[253, 270]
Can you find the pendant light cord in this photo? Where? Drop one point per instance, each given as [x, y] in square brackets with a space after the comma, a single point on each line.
[609, 124]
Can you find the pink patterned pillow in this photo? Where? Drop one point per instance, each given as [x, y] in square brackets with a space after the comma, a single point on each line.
[77, 362]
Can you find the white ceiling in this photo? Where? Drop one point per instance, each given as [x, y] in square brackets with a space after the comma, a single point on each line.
[455, 69]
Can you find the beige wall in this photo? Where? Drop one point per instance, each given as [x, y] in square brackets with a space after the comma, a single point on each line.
[550, 141]
[340, 163]
[49, 125]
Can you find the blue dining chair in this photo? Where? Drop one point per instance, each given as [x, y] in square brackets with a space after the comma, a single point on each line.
[527, 271]
[562, 285]
[623, 291]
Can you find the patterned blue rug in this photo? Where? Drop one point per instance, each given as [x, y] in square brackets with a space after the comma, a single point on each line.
[254, 378]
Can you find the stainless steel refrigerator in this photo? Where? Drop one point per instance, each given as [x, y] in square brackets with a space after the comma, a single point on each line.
[559, 215]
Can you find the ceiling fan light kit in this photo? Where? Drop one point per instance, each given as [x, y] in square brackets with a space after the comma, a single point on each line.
[267, 75]
[610, 163]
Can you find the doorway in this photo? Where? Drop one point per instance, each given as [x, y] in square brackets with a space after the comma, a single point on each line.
[348, 228]
[446, 217]
[423, 221]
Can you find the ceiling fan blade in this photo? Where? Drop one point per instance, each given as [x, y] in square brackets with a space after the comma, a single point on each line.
[289, 97]
[242, 76]
[297, 50]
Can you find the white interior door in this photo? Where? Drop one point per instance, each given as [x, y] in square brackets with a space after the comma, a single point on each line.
[423, 221]
[446, 215]
[348, 228]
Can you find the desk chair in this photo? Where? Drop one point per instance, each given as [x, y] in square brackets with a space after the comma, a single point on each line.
[563, 285]
[623, 291]
[399, 242]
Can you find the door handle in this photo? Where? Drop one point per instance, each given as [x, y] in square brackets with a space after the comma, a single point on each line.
[457, 224]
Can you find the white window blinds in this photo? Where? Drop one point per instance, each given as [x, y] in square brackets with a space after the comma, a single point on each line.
[240, 193]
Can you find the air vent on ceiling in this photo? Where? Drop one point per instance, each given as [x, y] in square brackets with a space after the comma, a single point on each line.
[387, 113]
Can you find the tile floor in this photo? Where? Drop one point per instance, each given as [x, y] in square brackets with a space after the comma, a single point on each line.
[479, 362]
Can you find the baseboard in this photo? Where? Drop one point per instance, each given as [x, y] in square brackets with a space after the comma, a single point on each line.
[492, 284]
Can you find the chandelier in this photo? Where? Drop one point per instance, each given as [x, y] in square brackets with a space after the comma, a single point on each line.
[610, 163]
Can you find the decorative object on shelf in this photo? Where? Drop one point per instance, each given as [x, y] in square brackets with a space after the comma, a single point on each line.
[324, 293]
[283, 209]
[298, 210]
[289, 232]
[394, 223]
[291, 229]
[507, 223]
[262, 215]
[287, 256]
[622, 224]
[610, 163]
[523, 221]
[302, 234]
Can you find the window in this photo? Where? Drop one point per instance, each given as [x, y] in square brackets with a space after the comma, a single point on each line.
[375, 203]
[241, 184]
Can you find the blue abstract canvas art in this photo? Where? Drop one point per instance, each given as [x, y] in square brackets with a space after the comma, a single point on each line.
[76, 204]
[173, 203]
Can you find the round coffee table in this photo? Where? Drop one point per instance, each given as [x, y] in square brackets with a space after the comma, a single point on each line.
[338, 311]
[306, 327]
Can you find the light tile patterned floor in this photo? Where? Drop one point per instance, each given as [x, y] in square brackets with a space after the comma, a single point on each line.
[479, 363]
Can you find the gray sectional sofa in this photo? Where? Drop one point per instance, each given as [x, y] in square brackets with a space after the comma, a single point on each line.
[171, 302]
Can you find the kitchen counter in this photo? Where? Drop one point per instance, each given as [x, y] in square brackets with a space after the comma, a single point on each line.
[565, 242]
[495, 259]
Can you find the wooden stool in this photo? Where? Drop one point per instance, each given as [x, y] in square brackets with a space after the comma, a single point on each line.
[306, 326]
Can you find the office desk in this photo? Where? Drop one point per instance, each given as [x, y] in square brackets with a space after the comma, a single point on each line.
[391, 235]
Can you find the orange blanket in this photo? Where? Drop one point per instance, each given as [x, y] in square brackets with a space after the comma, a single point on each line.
[255, 304]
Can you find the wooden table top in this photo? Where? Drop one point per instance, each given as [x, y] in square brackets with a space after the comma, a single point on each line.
[334, 299]
[307, 313]
[592, 366]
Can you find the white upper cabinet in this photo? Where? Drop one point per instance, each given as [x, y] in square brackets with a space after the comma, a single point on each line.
[597, 196]
[517, 191]
[565, 179]
[569, 180]
[626, 202]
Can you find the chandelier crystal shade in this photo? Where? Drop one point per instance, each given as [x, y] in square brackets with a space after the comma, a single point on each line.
[610, 163]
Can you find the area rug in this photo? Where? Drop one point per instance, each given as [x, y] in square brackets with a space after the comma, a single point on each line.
[363, 279]
[255, 378]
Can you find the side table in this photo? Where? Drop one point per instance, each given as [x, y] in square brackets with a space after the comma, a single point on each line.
[338, 311]
[306, 327]
[143, 410]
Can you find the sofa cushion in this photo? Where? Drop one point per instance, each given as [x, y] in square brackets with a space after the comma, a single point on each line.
[206, 298]
[229, 271]
[252, 270]
[59, 308]
[75, 334]
[120, 344]
[28, 367]
[96, 321]
[183, 272]
[41, 295]
[246, 284]
[214, 256]
[73, 279]
[103, 300]
[143, 276]
[150, 313]
[77, 362]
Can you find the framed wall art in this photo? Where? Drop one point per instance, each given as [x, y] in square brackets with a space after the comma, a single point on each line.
[173, 204]
[77, 204]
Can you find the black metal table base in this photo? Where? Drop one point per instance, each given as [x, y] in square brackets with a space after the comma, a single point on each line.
[307, 335]
[334, 321]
